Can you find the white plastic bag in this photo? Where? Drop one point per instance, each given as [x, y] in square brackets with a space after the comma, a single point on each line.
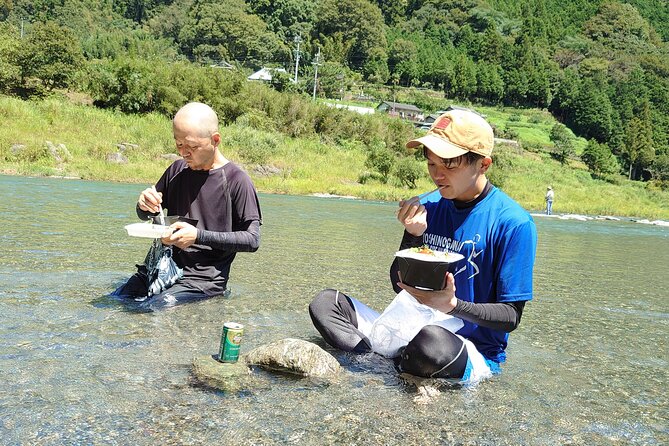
[402, 320]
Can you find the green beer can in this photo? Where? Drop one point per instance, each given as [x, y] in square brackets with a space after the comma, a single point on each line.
[231, 338]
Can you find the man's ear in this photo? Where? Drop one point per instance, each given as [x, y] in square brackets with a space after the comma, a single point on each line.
[485, 164]
[216, 139]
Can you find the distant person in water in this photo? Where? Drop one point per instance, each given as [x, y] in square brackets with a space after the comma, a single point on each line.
[489, 289]
[550, 195]
[216, 196]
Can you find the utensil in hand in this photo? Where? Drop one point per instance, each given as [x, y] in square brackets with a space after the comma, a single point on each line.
[425, 194]
[420, 197]
[160, 211]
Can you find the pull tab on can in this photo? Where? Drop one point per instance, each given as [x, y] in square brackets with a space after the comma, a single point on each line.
[231, 339]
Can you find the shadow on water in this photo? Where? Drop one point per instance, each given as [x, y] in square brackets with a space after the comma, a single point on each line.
[131, 304]
[126, 304]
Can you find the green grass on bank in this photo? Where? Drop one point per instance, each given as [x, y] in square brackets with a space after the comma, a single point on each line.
[575, 191]
[302, 166]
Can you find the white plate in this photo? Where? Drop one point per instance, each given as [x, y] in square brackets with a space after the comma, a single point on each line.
[146, 230]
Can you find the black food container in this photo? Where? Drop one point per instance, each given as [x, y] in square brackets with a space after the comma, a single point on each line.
[426, 271]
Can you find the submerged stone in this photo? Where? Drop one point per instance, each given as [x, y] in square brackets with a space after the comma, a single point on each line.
[428, 389]
[232, 377]
[295, 356]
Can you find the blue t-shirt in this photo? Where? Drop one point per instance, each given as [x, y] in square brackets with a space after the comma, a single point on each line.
[498, 239]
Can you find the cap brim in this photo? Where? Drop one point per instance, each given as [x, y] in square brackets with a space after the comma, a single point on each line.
[438, 146]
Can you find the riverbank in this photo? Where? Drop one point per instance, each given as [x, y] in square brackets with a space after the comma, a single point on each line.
[60, 139]
[579, 217]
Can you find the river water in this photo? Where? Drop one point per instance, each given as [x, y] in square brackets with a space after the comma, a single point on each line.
[587, 365]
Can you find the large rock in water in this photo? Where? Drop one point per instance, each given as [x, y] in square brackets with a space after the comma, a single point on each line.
[295, 356]
[287, 355]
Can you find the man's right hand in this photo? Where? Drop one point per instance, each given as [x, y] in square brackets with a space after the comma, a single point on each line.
[442, 300]
[413, 216]
[149, 200]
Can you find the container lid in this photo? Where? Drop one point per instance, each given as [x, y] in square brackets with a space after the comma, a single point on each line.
[429, 255]
[147, 230]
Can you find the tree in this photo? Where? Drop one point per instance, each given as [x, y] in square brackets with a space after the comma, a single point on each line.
[169, 21]
[380, 159]
[491, 45]
[403, 60]
[282, 81]
[355, 23]
[129, 85]
[638, 147]
[408, 170]
[660, 170]
[334, 79]
[393, 10]
[223, 31]
[466, 41]
[539, 71]
[515, 81]
[434, 58]
[10, 70]
[564, 146]
[566, 95]
[630, 93]
[376, 67]
[620, 27]
[286, 18]
[490, 83]
[6, 7]
[51, 54]
[599, 159]
[592, 111]
[462, 81]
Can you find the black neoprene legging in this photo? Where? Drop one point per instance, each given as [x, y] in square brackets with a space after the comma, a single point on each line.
[434, 352]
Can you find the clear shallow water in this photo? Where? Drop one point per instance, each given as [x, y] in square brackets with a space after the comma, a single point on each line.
[588, 364]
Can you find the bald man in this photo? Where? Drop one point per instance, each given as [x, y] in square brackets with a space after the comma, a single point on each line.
[218, 205]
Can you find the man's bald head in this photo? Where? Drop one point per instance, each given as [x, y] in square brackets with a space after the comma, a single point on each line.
[198, 118]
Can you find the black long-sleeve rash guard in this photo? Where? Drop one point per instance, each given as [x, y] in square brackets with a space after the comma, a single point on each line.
[503, 316]
[247, 240]
[237, 241]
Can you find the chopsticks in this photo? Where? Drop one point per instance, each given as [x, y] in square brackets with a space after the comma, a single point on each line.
[425, 194]
[420, 197]
[160, 211]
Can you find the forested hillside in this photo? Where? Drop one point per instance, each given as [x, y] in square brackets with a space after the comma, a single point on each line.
[600, 67]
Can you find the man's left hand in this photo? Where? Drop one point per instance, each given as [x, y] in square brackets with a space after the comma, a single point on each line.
[183, 235]
[442, 300]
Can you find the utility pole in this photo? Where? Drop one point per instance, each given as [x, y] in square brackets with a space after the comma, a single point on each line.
[21, 28]
[298, 40]
[316, 64]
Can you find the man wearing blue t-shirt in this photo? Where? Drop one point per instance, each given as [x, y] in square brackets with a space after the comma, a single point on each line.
[489, 288]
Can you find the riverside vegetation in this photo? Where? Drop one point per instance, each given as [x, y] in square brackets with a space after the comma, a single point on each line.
[309, 164]
[582, 85]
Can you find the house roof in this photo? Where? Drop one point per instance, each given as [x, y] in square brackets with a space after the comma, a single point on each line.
[400, 106]
[265, 74]
[222, 64]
